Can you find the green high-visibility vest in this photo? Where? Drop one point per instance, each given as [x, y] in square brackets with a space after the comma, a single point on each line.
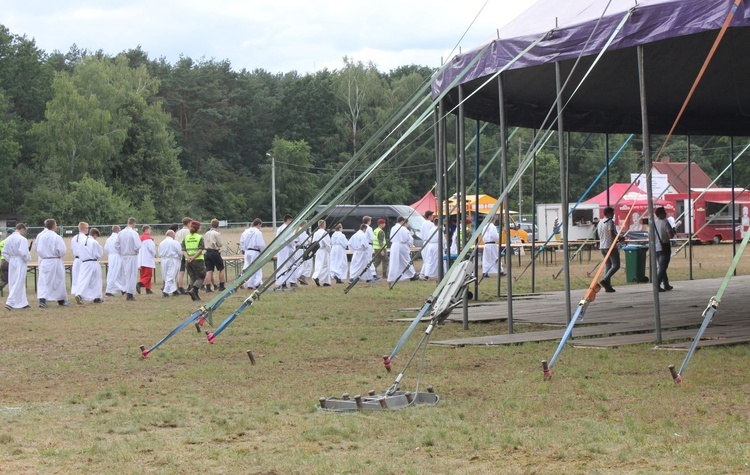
[376, 245]
[2, 245]
[192, 241]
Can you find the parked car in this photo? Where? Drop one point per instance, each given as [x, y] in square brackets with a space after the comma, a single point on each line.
[350, 217]
[531, 230]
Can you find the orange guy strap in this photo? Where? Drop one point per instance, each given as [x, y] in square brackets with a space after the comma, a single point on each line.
[710, 56]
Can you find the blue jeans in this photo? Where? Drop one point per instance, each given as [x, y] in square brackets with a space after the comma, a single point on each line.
[612, 265]
[662, 264]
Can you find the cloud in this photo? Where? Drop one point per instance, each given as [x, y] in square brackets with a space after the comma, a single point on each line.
[278, 36]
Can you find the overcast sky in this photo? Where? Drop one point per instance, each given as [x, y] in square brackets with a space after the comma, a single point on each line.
[278, 36]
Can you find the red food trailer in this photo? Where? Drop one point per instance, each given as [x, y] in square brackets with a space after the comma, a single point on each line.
[712, 213]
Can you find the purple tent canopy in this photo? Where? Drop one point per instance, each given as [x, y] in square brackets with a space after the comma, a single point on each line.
[677, 36]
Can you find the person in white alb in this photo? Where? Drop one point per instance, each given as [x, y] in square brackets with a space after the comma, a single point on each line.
[339, 264]
[130, 244]
[491, 254]
[430, 254]
[16, 252]
[252, 244]
[89, 287]
[115, 283]
[360, 255]
[399, 264]
[83, 231]
[284, 258]
[322, 273]
[373, 273]
[50, 249]
[170, 254]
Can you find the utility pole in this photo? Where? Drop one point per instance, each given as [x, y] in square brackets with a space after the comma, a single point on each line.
[273, 190]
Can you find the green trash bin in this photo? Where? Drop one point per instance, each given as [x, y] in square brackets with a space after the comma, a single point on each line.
[635, 264]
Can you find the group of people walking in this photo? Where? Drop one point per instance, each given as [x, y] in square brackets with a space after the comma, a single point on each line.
[131, 261]
[322, 257]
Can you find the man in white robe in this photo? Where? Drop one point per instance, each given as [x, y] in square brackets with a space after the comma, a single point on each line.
[16, 252]
[50, 249]
[430, 254]
[115, 282]
[370, 240]
[89, 287]
[361, 256]
[170, 253]
[491, 254]
[83, 231]
[252, 244]
[284, 268]
[339, 264]
[401, 242]
[322, 273]
[306, 266]
[129, 243]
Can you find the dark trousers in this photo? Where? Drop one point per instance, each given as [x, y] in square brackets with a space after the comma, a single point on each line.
[612, 265]
[662, 264]
[196, 272]
[378, 259]
[3, 273]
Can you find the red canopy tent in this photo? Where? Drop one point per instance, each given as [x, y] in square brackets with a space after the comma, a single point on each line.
[621, 198]
[427, 203]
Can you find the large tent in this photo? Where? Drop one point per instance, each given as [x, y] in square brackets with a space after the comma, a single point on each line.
[677, 36]
[605, 66]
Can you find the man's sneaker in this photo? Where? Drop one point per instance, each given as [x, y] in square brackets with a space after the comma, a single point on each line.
[149, 291]
[138, 287]
[63, 303]
[208, 288]
[8, 307]
[376, 278]
[24, 308]
[423, 277]
[222, 288]
[176, 293]
[302, 280]
[317, 282]
[164, 294]
[293, 285]
[42, 303]
[339, 281]
[181, 291]
[79, 300]
[130, 297]
[326, 285]
[109, 294]
[668, 287]
[98, 300]
[415, 277]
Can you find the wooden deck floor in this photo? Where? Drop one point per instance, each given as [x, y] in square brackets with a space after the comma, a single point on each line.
[625, 317]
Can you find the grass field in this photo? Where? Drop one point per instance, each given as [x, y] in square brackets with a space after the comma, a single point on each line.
[76, 396]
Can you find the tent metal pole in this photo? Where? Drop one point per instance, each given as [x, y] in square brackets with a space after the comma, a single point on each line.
[440, 157]
[647, 164]
[606, 164]
[461, 149]
[476, 206]
[506, 204]
[446, 187]
[734, 206]
[689, 213]
[563, 187]
[533, 215]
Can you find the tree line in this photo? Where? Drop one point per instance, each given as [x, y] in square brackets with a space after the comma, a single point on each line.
[98, 137]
